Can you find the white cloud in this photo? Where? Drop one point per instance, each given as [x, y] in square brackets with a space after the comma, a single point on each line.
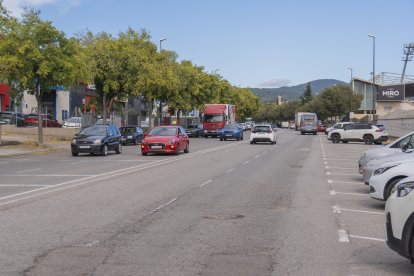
[16, 7]
[275, 83]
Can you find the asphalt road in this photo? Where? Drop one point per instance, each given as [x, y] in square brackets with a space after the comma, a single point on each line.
[225, 208]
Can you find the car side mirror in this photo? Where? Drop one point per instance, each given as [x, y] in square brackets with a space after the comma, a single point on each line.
[405, 148]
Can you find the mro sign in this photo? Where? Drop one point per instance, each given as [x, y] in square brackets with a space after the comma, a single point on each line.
[391, 93]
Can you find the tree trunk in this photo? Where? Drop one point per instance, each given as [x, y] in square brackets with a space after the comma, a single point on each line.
[150, 107]
[38, 96]
[104, 115]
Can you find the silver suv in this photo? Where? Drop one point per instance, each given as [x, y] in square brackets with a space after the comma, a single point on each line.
[358, 132]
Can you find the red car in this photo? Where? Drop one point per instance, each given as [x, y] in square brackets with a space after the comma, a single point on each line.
[321, 128]
[166, 139]
[47, 121]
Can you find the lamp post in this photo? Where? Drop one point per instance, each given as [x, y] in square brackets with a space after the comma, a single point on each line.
[161, 40]
[373, 73]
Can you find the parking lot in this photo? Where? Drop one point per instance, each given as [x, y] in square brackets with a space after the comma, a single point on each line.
[360, 219]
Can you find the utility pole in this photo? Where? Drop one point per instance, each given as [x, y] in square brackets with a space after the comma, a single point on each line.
[408, 52]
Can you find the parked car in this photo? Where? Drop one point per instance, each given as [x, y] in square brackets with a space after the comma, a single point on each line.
[73, 122]
[131, 134]
[97, 139]
[47, 121]
[12, 118]
[194, 130]
[263, 133]
[166, 139]
[320, 128]
[243, 126]
[395, 147]
[336, 126]
[384, 179]
[231, 132]
[374, 164]
[357, 132]
[399, 211]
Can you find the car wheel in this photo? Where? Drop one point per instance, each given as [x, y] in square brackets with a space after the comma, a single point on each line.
[302, 133]
[119, 149]
[238, 138]
[368, 139]
[377, 142]
[335, 138]
[104, 150]
[251, 142]
[144, 153]
[242, 137]
[205, 136]
[390, 186]
[75, 153]
[221, 139]
[178, 150]
[187, 149]
[91, 153]
[225, 139]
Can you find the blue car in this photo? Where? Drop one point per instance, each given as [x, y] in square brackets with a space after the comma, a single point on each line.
[131, 134]
[231, 132]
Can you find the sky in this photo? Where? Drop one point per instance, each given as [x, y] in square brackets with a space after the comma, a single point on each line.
[254, 43]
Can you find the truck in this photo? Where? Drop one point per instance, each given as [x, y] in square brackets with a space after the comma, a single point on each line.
[216, 117]
[298, 116]
[285, 124]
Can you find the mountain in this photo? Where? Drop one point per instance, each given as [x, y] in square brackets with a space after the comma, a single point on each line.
[293, 92]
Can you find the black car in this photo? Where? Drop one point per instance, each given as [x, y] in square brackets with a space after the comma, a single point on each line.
[131, 134]
[97, 139]
[194, 130]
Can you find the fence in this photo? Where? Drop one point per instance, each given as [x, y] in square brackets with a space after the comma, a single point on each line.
[141, 121]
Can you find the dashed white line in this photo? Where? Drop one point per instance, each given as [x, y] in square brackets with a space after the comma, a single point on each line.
[77, 163]
[31, 170]
[246, 162]
[164, 205]
[257, 156]
[366, 238]
[343, 235]
[91, 244]
[207, 182]
[229, 171]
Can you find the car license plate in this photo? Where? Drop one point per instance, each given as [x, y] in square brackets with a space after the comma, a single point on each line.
[84, 147]
[156, 147]
[229, 135]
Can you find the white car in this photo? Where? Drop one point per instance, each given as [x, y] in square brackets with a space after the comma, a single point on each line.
[73, 122]
[399, 211]
[384, 179]
[357, 132]
[263, 133]
[377, 163]
[406, 141]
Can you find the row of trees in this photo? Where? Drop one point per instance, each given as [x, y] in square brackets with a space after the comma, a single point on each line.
[335, 101]
[35, 56]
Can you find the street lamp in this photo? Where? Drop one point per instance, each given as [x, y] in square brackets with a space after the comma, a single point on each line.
[373, 72]
[161, 40]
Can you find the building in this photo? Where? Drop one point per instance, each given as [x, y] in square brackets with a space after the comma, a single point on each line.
[4, 97]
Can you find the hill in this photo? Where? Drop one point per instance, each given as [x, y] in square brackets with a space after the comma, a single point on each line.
[293, 92]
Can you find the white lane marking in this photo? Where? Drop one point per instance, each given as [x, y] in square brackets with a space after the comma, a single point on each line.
[77, 163]
[207, 182]
[89, 179]
[328, 173]
[24, 185]
[164, 205]
[344, 182]
[31, 170]
[340, 159]
[229, 171]
[326, 163]
[51, 175]
[336, 210]
[91, 244]
[366, 238]
[246, 162]
[356, 194]
[361, 211]
[332, 192]
[350, 174]
[257, 156]
[343, 235]
[343, 168]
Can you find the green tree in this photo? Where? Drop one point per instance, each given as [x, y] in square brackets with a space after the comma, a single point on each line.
[307, 94]
[36, 56]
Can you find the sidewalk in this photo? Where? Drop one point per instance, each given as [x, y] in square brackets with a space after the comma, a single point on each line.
[14, 146]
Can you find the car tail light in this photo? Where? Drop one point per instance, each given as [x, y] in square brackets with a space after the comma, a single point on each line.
[378, 130]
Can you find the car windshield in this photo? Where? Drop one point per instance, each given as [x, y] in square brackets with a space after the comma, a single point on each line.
[213, 118]
[261, 128]
[232, 127]
[94, 131]
[163, 131]
[127, 130]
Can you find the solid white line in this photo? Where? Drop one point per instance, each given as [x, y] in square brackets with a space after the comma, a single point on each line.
[45, 175]
[362, 211]
[357, 194]
[366, 238]
[205, 183]
[343, 235]
[80, 162]
[24, 185]
[164, 205]
[29, 170]
[228, 171]
[246, 162]
[257, 156]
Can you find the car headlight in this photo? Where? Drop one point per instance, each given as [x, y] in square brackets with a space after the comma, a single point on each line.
[73, 141]
[404, 189]
[129, 136]
[384, 169]
[97, 141]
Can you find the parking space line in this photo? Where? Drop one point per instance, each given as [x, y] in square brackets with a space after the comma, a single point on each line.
[339, 168]
[342, 193]
[31, 170]
[339, 159]
[343, 235]
[338, 210]
[207, 182]
[344, 182]
[366, 238]
[349, 174]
